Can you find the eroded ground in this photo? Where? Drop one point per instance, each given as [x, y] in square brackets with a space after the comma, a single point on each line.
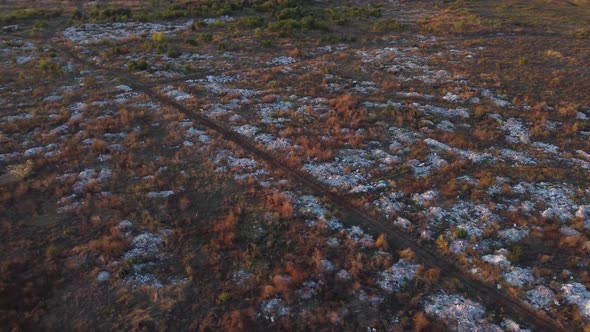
[154, 170]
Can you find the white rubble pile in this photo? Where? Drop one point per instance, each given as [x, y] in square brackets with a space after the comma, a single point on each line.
[577, 294]
[146, 245]
[92, 33]
[473, 156]
[396, 277]
[178, 95]
[496, 259]
[540, 297]
[546, 147]
[460, 314]
[267, 111]
[424, 168]
[214, 20]
[556, 198]
[390, 203]
[145, 257]
[473, 218]
[443, 111]
[272, 143]
[518, 277]
[308, 205]
[103, 276]
[518, 157]
[160, 194]
[517, 132]
[513, 234]
[308, 290]
[359, 237]
[345, 172]
[273, 309]
[281, 61]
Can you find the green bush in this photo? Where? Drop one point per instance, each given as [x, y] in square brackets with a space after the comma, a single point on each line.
[140, 65]
[387, 25]
[206, 37]
[51, 252]
[27, 14]
[460, 233]
[284, 27]
[174, 53]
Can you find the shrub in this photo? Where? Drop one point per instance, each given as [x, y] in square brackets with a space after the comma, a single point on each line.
[460, 233]
[381, 242]
[158, 37]
[206, 37]
[387, 25]
[284, 27]
[140, 65]
[51, 252]
[514, 254]
[174, 53]
[522, 61]
[223, 298]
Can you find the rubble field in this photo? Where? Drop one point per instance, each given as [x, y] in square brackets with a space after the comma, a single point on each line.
[200, 166]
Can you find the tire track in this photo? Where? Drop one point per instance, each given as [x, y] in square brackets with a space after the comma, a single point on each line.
[428, 255]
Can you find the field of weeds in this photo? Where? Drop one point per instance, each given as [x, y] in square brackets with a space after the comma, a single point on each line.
[264, 165]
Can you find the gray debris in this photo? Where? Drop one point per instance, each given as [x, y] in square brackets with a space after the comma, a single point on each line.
[540, 297]
[459, 313]
[396, 277]
[103, 276]
[577, 294]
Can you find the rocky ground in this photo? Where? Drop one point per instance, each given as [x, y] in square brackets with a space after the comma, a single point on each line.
[130, 172]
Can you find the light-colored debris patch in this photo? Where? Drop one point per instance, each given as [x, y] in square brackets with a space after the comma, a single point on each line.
[458, 246]
[390, 203]
[201, 135]
[518, 277]
[459, 313]
[442, 111]
[272, 143]
[92, 33]
[309, 290]
[345, 172]
[473, 218]
[178, 95]
[513, 234]
[246, 130]
[396, 277]
[540, 297]
[577, 294]
[273, 309]
[473, 156]
[517, 132]
[145, 245]
[103, 276]
[215, 20]
[498, 260]
[511, 326]
[519, 158]
[359, 237]
[500, 102]
[425, 197]
[424, 168]
[240, 277]
[160, 194]
[547, 148]
[308, 205]
[281, 61]
[327, 266]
